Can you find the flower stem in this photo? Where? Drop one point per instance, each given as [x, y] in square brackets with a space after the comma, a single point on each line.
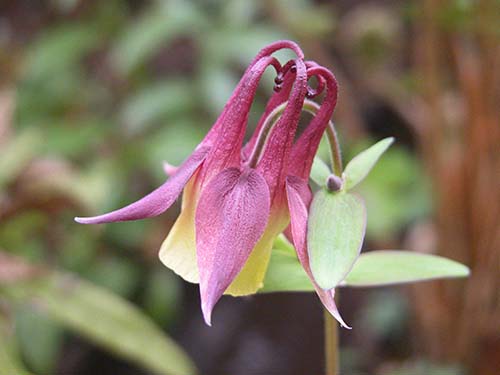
[335, 154]
[263, 136]
[331, 344]
[333, 141]
[272, 118]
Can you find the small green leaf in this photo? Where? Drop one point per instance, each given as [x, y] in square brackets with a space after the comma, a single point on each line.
[385, 267]
[359, 167]
[376, 268]
[336, 228]
[10, 361]
[319, 172]
[285, 274]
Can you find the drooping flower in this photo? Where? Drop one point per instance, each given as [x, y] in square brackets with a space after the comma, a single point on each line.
[234, 201]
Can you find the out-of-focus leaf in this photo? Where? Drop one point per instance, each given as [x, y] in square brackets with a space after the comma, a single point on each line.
[41, 102]
[285, 274]
[395, 192]
[173, 143]
[119, 275]
[241, 45]
[18, 153]
[295, 12]
[162, 296]
[141, 40]
[160, 101]
[55, 51]
[79, 247]
[459, 15]
[320, 172]
[20, 233]
[335, 232]
[240, 12]
[10, 361]
[428, 368]
[129, 234]
[65, 6]
[371, 34]
[107, 320]
[155, 29]
[6, 110]
[40, 339]
[97, 186]
[217, 84]
[385, 267]
[359, 167]
[76, 138]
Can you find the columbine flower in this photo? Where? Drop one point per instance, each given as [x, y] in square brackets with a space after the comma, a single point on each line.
[300, 162]
[234, 201]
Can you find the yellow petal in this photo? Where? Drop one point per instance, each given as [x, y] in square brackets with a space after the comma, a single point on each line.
[178, 251]
[251, 277]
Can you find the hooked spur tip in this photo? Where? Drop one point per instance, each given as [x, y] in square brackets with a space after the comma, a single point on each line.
[344, 325]
[207, 313]
[341, 321]
[335, 314]
[88, 220]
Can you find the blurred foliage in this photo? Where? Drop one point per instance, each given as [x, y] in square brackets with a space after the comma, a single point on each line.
[426, 368]
[10, 358]
[102, 93]
[396, 193]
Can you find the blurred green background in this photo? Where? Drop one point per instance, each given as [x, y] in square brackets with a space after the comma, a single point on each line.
[94, 95]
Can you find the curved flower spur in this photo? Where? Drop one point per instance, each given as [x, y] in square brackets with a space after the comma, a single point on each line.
[233, 207]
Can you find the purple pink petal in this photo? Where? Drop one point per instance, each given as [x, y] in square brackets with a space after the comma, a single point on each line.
[231, 216]
[157, 201]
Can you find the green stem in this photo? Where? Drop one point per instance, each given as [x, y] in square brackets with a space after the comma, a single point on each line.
[331, 134]
[270, 121]
[331, 344]
[335, 154]
[263, 136]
